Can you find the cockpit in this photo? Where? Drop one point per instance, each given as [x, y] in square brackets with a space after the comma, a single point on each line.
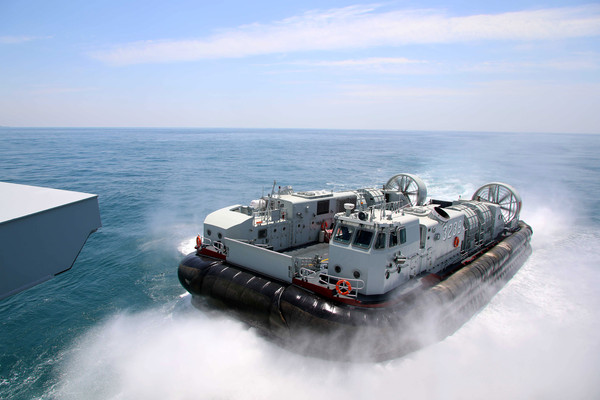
[364, 238]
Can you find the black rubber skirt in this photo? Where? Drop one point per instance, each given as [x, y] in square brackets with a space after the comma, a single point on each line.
[310, 324]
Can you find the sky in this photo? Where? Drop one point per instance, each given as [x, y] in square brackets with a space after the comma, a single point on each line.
[502, 66]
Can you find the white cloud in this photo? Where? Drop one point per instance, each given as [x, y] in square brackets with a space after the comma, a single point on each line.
[580, 64]
[19, 39]
[377, 93]
[362, 27]
[386, 65]
[364, 62]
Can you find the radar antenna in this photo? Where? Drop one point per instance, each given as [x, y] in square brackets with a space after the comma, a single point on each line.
[505, 196]
[411, 186]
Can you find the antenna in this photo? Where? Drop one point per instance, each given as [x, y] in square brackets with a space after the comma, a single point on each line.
[268, 210]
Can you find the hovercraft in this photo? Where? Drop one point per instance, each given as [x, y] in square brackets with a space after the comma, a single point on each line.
[361, 274]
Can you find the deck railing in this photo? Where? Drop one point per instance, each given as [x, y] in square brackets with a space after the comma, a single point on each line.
[330, 282]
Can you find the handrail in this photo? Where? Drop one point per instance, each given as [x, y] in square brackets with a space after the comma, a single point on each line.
[266, 216]
[330, 281]
[213, 246]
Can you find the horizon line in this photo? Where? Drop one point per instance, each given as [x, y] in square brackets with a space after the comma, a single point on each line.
[405, 130]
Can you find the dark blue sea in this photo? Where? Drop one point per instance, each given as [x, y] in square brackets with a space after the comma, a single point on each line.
[118, 325]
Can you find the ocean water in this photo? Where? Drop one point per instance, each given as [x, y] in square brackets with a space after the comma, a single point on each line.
[119, 325]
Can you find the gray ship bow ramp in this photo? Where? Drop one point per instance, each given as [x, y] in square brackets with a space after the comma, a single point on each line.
[42, 231]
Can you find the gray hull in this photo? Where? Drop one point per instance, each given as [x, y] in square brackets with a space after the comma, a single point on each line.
[310, 324]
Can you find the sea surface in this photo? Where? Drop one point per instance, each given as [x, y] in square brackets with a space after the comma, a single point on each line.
[119, 325]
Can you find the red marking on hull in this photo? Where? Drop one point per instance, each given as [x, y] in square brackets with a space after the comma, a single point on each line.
[210, 253]
[430, 280]
[327, 293]
[332, 295]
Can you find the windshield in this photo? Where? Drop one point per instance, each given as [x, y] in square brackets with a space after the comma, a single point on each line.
[380, 241]
[363, 238]
[343, 234]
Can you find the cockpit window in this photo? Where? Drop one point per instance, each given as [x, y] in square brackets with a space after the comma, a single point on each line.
[402, 233]
[397, 236]
[343, 234]
[380, 241]
[363, 238]
[393, 239]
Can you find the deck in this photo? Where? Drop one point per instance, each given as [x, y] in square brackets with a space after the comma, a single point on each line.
[310, 250]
